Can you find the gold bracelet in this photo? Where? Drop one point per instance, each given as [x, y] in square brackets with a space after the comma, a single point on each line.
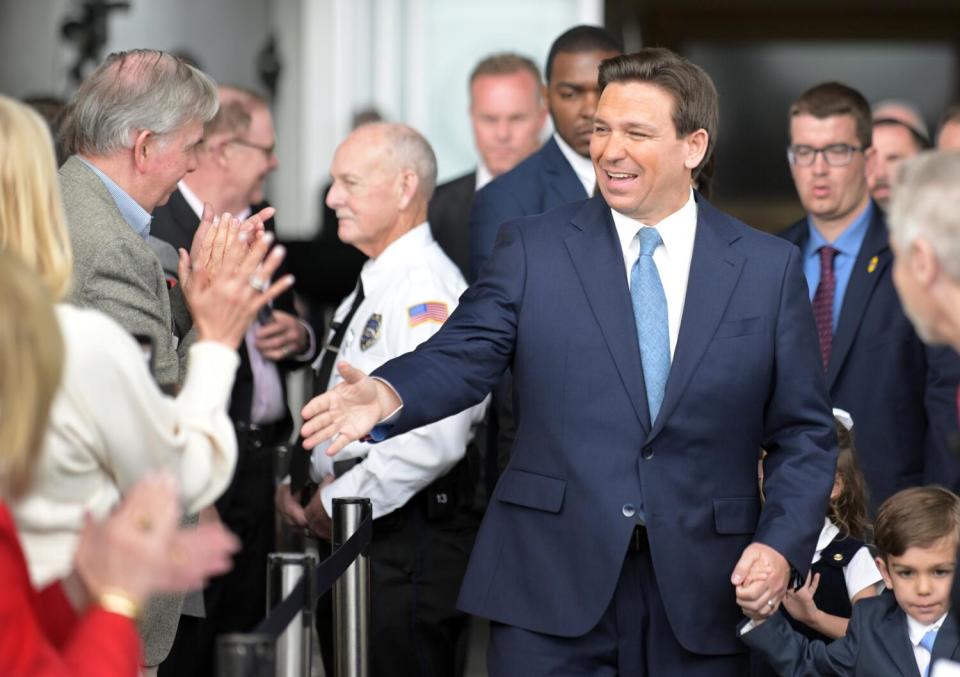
[118, 602]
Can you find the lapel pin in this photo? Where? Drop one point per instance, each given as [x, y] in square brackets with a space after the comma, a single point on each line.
[872, 266]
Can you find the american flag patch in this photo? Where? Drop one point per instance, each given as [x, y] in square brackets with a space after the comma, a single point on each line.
[431, 311]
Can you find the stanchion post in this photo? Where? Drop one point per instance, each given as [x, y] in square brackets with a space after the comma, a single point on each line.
[294, 648]
[351, 593]
[240, 655]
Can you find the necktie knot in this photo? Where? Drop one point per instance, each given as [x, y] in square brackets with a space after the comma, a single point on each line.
[649, 241]
[928, 639]
[827, 254]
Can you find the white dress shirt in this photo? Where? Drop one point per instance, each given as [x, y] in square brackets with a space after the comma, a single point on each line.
[582, 166]
[411, 271]
[672, 257]
[484, 176]
[916, 631]
[110, 424]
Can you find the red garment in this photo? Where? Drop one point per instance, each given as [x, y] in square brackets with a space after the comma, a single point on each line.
[40, 633]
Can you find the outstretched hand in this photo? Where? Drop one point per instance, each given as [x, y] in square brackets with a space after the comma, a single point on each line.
[348, 411]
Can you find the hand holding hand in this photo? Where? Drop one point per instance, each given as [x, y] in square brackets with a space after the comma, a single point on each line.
[760, 576]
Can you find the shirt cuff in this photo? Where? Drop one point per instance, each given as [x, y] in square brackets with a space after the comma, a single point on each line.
[381, 430]
[307, 354]
[747, 627]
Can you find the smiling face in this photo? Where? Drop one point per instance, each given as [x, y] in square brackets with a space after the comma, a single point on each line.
[643, 168]
[170, 157]
[921, 578]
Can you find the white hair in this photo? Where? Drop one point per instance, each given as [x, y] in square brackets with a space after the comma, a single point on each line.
[141, 89]
[924, 204]
[410, 151]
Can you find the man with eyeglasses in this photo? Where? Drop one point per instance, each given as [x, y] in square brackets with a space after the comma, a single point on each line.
[233, 161]
[900, 392]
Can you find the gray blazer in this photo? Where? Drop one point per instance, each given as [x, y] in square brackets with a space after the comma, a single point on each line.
[116, 272]
[876, 643]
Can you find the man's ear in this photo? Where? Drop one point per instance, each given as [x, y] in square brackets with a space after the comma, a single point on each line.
[696, 143]
[922, 262]
[144, 144]
[870, 161]
[409, 185]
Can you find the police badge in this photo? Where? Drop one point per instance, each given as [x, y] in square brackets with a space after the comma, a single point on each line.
[371, 332]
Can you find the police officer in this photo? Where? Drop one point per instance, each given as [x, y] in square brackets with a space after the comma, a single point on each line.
[383, 177]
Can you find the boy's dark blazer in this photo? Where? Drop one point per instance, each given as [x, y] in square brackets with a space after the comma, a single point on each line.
[876, 643]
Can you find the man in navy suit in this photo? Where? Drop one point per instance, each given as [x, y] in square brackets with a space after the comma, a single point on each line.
[899, 391]
[657, 344]
[561, 171]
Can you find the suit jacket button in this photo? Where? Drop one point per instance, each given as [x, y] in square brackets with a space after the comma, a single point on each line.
[628, 510]
[647, 453]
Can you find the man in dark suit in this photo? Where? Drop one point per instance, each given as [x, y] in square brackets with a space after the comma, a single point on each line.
[560, 172]
[235, 158]
[899, 391]
[648, 334]
[507, 113]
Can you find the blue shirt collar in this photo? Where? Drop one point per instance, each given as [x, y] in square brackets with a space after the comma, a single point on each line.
[136, 216]
[849, 241]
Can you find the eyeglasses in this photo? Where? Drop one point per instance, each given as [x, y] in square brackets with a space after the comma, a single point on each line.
[266, 150]
[835, 155]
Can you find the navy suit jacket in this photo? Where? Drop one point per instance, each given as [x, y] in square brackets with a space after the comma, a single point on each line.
[541, 182]
[553, 303]
[900, 392]
[876, 643]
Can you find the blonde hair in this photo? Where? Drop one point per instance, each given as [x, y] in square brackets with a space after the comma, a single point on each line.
[32, 222]
[31, 362]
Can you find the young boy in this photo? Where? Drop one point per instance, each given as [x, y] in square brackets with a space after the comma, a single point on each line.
[917, 532]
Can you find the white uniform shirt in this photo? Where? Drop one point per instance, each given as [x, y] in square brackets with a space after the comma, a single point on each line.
[916, 631]
[408, 291]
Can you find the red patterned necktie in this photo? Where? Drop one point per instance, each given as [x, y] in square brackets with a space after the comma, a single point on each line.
[823, 302]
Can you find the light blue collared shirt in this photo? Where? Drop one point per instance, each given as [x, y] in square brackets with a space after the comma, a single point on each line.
[847, 246]
[136, 216]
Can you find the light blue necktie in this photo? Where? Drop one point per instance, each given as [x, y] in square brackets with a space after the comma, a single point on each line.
[650, 314]
[927, 643]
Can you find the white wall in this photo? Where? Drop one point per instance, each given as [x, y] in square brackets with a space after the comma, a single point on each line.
[409, 58]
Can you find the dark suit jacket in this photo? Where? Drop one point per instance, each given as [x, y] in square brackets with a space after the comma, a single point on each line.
[900, 392]
[876, 643]
[543, 181]
[449, 216]
[554, 303]
[176, 223]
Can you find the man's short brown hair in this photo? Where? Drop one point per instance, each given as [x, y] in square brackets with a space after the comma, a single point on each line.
[835, 98]
[916, 517]
[505, 63]
[236, 108]
[695, 101]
